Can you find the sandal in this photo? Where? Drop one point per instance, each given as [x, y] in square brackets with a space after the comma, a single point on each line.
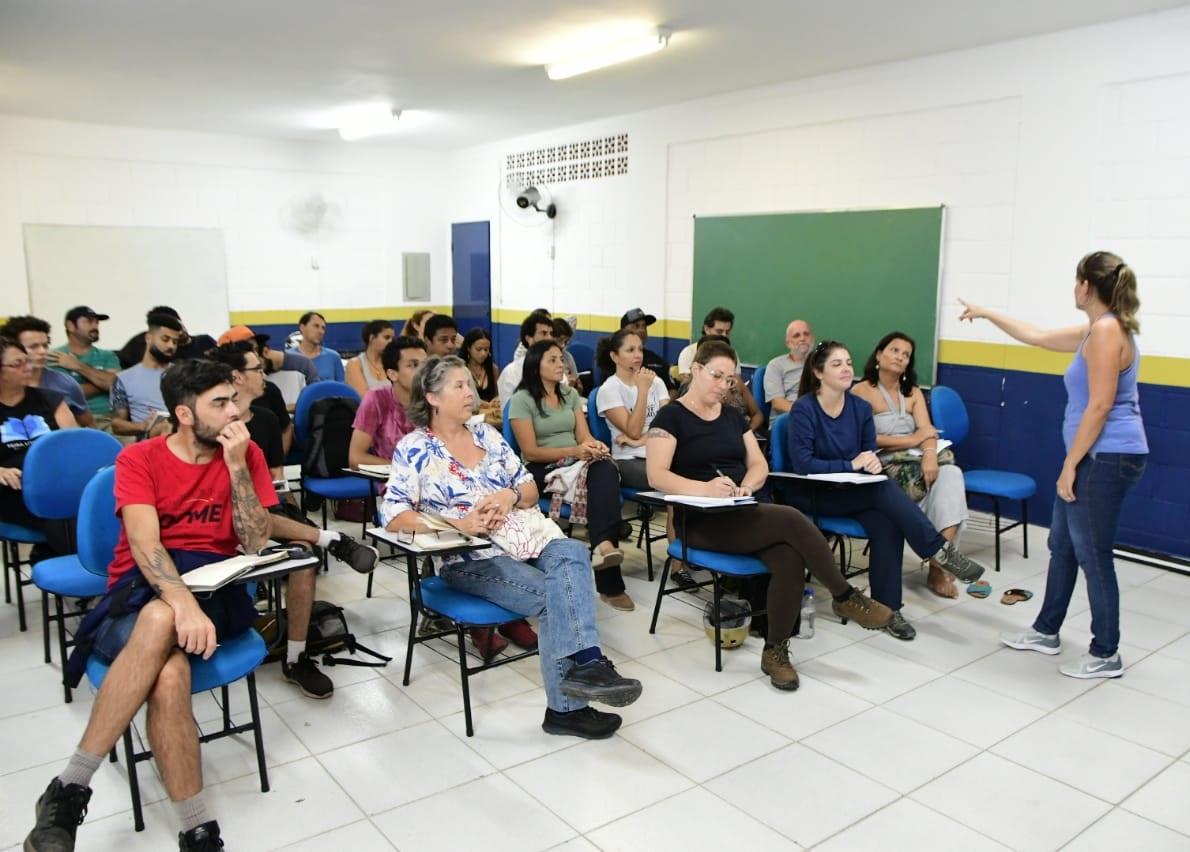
[1013, 596]
[979, 589]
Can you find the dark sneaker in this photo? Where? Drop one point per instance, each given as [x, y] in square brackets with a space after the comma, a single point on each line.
[204, 838]
[427, 625]
[900, 628]
[599, 681]
[775, 663]
[963, 567]
[60, 812]
[683, 579]
[588, 723]
[361, 557]
[488, 642]
[306, 675]
[867, 613]
[520, 634]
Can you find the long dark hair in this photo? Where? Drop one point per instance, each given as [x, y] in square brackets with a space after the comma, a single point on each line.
[908, 378]
[817, 361]
[531, 377]
[373, 328]
[608, 345]
[474, 336]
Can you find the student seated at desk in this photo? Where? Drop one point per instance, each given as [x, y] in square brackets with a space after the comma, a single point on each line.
[907, 445]
[832, 431]
[381, 419]
[548, 421]
[737, 395]
[364, 371]
[620, 402]
[700, 446]
[467, 473]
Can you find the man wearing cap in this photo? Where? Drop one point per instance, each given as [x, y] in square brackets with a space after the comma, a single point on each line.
[93, 368]
[638, 322]
[34, 334]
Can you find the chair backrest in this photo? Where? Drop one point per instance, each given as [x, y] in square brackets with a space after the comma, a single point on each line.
[98, 526]
[600, 430]
[584, 356]
[757, 385]
[509, 437]
[778, 444]
[949, 413]
[310, 395]
[291, 383]
[58, 467]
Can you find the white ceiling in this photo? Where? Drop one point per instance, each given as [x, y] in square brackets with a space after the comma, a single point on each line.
[467, 72]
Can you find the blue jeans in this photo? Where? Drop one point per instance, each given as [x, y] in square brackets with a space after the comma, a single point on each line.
[556, 588]
[1083, 533]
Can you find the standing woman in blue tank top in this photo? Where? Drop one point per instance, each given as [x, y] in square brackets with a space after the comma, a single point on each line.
[1106, 451]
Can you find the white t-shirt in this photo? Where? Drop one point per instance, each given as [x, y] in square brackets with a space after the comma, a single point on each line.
[613, 393]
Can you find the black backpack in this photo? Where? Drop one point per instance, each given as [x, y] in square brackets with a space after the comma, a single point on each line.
[330, 436]
[328, 635]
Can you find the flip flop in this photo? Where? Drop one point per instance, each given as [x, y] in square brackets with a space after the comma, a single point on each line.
[1013, 596]
[979, 589]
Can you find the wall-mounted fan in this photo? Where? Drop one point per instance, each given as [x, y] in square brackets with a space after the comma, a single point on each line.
[310, 214]
[529, 205]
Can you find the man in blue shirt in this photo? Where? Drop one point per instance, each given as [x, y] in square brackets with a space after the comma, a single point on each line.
[326, 360]
[34, 334]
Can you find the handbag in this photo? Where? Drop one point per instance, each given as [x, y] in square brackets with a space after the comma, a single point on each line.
[525, 533]
[904, 468]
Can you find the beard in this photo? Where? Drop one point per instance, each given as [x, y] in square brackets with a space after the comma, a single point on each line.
[93, 335]
[205, 434]
[160, 357]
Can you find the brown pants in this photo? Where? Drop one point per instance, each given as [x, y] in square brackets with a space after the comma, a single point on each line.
[786, 542]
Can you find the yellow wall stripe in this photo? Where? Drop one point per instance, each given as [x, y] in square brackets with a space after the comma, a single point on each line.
[1154, 369]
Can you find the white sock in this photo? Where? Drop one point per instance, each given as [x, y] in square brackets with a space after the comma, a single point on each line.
[293, 650]
[325, 537]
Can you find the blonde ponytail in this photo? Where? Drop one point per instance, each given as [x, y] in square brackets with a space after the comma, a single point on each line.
[1114, 283]
[1125, 304]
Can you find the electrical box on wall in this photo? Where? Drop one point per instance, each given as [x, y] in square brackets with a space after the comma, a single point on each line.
[416, 276]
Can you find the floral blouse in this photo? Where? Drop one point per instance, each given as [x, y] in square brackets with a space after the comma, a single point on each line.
[425, 477]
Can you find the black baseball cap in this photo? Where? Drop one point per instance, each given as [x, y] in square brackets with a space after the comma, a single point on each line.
[636, 315]
[74, 314]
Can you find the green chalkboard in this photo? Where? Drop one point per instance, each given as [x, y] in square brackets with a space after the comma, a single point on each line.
[854, 275]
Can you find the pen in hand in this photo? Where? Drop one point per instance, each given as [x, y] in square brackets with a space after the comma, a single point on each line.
[734, 488]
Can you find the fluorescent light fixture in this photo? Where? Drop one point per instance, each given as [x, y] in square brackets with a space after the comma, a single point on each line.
[367, 120]
[610, 55]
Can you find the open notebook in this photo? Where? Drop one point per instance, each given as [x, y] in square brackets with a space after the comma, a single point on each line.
[709, 502]
[375, 469]
[216, 575]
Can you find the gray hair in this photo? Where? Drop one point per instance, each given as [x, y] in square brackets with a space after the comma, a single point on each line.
[429, 379]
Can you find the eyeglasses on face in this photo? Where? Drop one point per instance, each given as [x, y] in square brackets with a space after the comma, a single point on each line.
[16, 365]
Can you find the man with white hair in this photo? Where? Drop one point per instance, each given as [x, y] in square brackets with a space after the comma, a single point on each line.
[783, 375]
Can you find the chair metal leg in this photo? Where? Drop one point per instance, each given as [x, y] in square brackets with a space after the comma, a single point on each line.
[138, 818]
[1025, 522]
[7, 586]
[369, 591]
[45, 622]
[412, 641]
[463, 675]
[226, 696]
[61, 619]
[257, 732]
[661, 582]
[20, 590]
[716, 596]
[996, 509]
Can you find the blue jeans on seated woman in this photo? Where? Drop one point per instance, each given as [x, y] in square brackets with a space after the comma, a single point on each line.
[1083, 533]
[888, 516]
[556, 588]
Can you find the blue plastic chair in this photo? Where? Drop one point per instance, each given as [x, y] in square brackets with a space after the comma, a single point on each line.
[950, 418]
[757, 384]
[837, 528]
[236, 658]
[57, 470]
[11, 537]
[510, 439]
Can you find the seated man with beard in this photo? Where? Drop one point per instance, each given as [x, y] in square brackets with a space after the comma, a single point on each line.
[137, 407]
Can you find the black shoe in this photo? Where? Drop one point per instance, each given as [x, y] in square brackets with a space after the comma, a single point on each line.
[900, 628]
[588, 723]
[203, 838]
[599, 681]
[305, 673]
[427, 625]
[60, 812]
[361, 557]
[683, 579]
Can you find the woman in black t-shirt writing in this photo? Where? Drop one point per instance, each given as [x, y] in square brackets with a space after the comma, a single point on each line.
[700, 447]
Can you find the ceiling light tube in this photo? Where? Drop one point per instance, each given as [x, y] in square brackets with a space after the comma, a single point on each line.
[610, 55]
[363, 121]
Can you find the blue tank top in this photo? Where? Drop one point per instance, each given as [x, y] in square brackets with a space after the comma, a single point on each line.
[1124, 430]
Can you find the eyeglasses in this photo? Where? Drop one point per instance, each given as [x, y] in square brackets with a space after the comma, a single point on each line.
[259, 368]
[16, 365]
[719, 376]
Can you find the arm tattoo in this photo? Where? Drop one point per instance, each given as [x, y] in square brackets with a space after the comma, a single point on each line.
[251, 520]
[161, 572]
[657, 432]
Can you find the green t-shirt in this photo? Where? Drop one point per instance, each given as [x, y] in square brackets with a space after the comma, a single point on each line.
[556, 429]
[100, 359]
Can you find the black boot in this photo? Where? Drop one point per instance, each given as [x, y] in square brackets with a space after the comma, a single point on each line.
[203, 838]
[60, 812]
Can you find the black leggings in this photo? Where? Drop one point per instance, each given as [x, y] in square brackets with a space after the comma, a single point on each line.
[603, 514]
[786, 542]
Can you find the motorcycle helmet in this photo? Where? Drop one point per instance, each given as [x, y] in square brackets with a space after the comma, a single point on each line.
[735, 617]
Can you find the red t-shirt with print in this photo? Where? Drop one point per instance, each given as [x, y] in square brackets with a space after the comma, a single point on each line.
[193, 501]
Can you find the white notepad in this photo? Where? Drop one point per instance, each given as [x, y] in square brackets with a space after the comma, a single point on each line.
[708, 502]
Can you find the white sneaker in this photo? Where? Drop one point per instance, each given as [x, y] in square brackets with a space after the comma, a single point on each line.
[1088, 666]
[1031, 640]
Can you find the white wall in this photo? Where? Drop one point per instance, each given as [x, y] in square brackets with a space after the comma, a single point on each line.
[1042, 149]
[388, 201]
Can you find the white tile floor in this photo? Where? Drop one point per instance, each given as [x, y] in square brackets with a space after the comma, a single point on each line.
[949, 742]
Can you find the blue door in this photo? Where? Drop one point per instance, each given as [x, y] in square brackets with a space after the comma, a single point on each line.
[471, 274]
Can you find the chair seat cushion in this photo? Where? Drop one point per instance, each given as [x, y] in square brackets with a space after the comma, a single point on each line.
[836, 525]
[544, 505]
[65, 575]
[737, 565]
[24, 535]
[1000, 483]
[339, 487]
[236, 658]
[461, 606]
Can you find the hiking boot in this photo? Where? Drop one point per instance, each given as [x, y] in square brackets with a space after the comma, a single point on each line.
[954, 561]
[361, 557]
[520, 634]
[599, 681]
[1089, 666]
[775, 663]
[899, 628]
[622, 602]
[488, 642]
[60, 812]
[306, 675]
[428, 625]
[1031, 640]
[587, 723]
[202, 838]
[867, 613]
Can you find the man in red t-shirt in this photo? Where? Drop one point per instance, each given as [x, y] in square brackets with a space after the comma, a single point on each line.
[185, 499]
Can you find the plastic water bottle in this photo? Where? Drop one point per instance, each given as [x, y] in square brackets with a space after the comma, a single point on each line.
[806, 630]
